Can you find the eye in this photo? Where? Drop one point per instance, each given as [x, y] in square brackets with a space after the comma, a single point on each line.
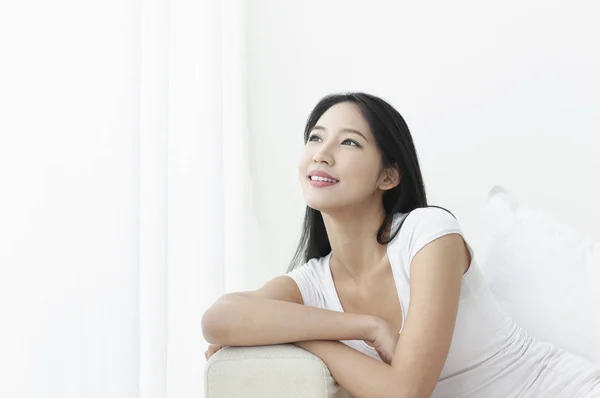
[313, 136]
[352, 142]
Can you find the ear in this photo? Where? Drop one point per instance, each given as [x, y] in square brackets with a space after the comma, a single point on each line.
[390, 178]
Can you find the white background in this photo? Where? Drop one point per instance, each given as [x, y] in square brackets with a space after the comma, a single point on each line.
[148, 155]
[493, 92]
[114, 116]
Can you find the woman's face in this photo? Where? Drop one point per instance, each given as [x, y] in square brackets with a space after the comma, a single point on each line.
[342, 146]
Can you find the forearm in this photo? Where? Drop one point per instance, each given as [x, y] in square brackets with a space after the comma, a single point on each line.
[248, 321]
[359, 374]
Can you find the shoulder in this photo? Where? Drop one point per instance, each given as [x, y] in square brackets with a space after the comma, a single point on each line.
[421, 227]
[315, 267]
[430, 218]
[311, 274]
[311, 279]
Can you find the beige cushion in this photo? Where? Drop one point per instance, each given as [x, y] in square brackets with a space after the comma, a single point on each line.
[273, 371]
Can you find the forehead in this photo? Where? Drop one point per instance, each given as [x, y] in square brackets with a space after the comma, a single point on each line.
[344, 115]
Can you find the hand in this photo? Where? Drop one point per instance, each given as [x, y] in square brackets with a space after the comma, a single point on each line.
[384, 340]
[212, 349]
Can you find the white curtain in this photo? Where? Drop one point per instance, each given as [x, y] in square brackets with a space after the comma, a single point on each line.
[123, 191]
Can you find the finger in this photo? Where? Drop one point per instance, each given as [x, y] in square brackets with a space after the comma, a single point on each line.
[212, 349]
[209, 354]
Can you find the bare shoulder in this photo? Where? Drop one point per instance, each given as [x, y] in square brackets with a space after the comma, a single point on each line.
[281, 288]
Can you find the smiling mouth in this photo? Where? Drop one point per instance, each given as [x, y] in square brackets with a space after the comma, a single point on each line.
[323, 179]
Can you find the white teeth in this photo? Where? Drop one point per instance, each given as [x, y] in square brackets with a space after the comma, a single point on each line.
[317, 178]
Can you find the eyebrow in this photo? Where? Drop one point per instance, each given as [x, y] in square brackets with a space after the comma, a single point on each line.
[346, 130]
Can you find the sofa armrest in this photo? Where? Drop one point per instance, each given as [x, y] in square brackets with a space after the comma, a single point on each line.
[273, 371]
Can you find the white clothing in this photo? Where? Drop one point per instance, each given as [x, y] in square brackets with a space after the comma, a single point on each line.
[490, 355]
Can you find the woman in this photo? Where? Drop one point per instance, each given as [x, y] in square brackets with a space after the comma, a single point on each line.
[383, 288]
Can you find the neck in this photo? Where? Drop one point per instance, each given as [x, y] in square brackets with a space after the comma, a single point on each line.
[353, 239]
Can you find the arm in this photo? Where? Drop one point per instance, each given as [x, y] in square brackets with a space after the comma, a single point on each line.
[436, 274]
[275, 314]
[359, 374]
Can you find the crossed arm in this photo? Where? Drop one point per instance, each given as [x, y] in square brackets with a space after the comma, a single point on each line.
[436, 274]
[422, 349]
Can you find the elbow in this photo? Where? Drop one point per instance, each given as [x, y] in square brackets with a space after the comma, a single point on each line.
[210, 326]
[217, 321]
[416, 394]
[403, 392]
[408, 392]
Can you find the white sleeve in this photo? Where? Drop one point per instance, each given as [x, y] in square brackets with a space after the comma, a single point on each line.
[309, 284]
[424, 225]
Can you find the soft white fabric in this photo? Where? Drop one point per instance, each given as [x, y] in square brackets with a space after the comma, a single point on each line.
[274, 371]
[545, 274]
[490, 356]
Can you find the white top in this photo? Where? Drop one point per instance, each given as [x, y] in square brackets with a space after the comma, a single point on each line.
[490, 355]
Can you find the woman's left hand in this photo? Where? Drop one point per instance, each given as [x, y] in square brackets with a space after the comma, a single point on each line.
[212, 349]
[384, 340]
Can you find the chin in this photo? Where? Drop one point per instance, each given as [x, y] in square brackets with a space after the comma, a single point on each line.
[321, 205]
[325, 200]
[326, 205]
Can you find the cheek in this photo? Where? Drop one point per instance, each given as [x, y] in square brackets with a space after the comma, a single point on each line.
[362, 170]
[303, 164]
[362, 177]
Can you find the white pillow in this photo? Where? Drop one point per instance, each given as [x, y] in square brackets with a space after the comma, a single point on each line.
[544, 274]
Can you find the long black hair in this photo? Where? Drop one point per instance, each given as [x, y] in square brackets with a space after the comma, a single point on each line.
[397, 150]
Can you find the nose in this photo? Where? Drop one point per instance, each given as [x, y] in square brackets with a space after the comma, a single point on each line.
[323, 155]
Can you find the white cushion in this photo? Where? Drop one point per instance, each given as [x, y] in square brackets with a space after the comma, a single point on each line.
[544, 274]
[275, 371]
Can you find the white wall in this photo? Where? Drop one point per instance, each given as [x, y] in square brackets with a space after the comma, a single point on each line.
[494, 93]
[69, 155]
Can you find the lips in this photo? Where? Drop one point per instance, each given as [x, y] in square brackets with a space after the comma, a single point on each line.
[318, 178]
[318, 175]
